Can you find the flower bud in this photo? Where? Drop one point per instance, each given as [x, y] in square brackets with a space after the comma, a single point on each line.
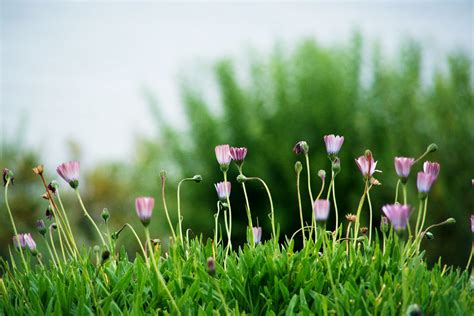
[38, 169]
[429, 236]
[211, 266]
[384, 224]
[41, 227]
[432, 148]
[197, 178]
[163, 173]
[336, 165]
[49, 212]
[450, 221]
[414, 310]
[322, 174]
[53, 186]
[301, 147]
[364, 230]
[96, 249]
[298, 167]
[351, 217]
[7, 176]
[105, 214]
[105, 256]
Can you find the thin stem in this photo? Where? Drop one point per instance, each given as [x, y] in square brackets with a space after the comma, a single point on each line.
[69, 230]
[216, 218]
[50, 252]
[163, 180]
[404, 186]
[139, 242]
[335, 201]
[470, 257]
[299, 206]
[396, 191]
[230, 210]
[54, 248]
[247, 207]
[90, 218]
[370, 214]
[158, 274]
[424, 214]
[418, 218]
[271, 206]
[309, 179]
[13, 224]
[359, 209]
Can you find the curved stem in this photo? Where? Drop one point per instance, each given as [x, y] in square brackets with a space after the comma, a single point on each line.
[309, 179]
[424, 214]
[139, 242]
[13, 224]
[158, 274]
[418, 218]
[180, 218]
[247, 208]
[396, 191]
[216, 218]
[90, 218]
[69, 230]
[271, 207]
[163, 180]
[50, 252]
[335, 202]
[54, 249]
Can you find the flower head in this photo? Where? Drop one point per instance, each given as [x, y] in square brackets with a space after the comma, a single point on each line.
[321, 209]
[30, 243]
[19, 241]
[144, 207]
[301, 147]
[53, 186]
[49, 212]
[351, 217]
[257, 234]
[238, 154]
[69, 171]
[397, 214]
[403, 166]
[424, 182]
[333, 143]
[431, 168]
[38, 169]
[223, 190]
[366, 164]
[223, 156]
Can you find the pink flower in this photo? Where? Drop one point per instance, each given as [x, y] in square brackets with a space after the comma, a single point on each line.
[69, 171]
[397, 214]
[223, 155]
[257, 234]
[472, 223]
[333, 143]
[424, 182]
[238, 153]
[19, 241]
[30, 243]
[321, 209]
[431, 168]
[223, 190]
[144, 207]
[403, 166]
[366, 164]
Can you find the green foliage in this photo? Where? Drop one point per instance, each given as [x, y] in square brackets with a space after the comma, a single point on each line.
[257, 280]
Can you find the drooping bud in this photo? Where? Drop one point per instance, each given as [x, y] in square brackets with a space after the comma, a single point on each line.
[429, 236]
[298, 167]
[432, 148]
[197, 178]
[105, 214]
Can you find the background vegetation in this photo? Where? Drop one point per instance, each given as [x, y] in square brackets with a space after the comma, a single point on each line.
[291, 94]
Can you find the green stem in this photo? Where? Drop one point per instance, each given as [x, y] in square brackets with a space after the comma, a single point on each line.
[166, 207]
[247, 208]
[230, 211]
[359, 209]
[180, 218]
[14, 226]
[418, 218]
[396, 191]
[300, 207]
[69, 230]
[158, 274]
[424, 214]
[370, 214]
[271, 207]
[90, 218]
[216, 219]
[309, 179]
[50, 251]
[139, 242]
[335, 202]
[54, 249]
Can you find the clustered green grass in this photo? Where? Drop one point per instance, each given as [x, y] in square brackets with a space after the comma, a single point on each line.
[320, 279]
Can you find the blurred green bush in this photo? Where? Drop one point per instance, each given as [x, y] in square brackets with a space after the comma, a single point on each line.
[301, 94]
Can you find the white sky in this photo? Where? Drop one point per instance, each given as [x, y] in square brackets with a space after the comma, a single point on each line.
[76, 69]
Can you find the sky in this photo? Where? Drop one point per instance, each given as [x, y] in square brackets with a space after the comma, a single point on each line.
[77, 70]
